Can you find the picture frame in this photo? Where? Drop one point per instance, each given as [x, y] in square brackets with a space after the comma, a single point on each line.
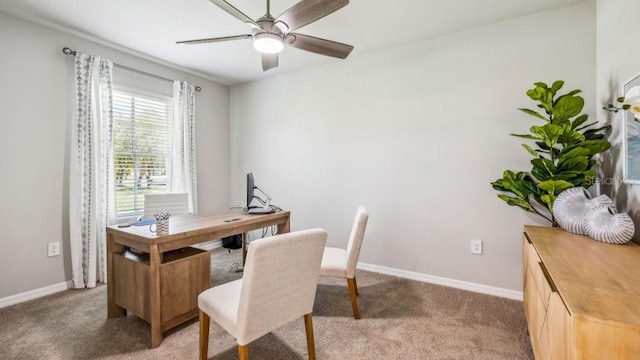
[631, 130]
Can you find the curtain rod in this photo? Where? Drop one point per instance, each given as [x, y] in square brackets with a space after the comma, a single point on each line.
[68, 51]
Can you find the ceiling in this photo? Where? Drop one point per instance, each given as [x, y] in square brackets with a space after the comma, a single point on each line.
[152, 27]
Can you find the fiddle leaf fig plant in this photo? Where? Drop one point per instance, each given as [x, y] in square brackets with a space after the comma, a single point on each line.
[563, 150]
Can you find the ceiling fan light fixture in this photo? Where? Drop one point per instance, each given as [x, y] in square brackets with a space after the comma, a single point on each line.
[268, 43]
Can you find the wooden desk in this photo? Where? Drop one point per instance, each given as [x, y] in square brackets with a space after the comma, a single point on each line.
[144, 289]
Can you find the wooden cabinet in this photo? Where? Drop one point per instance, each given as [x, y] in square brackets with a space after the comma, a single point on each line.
[581, 297]
[184, 274]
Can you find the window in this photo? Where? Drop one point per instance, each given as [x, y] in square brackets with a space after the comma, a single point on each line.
[142, 132]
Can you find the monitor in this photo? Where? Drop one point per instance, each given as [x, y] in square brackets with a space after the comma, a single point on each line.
[252, 209]
[250, 186]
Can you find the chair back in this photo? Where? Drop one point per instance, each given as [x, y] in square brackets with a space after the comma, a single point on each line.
[279, 282]
[355, 240]
[175, 203]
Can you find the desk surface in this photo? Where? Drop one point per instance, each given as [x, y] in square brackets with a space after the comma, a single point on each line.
[185, 230]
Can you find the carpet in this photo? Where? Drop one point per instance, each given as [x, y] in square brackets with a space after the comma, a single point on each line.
[401, 319]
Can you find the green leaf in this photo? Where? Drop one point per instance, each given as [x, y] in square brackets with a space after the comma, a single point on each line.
[548, 199]
[586, 126]
[542, 145]
[567, 107]
[569, 176]
[574, 152]
[513, 201]
[555, 187]
[508, 182]
[534, 114]
[549, 133]
[570, 137]
[541, 175]
[620, 99]
[590, 173]
[569, 94]
[579, 121]
[557, 85]
[589, 178]
[542, 94]
[577, 164]
[531, 151]
[597, 130]
[592, 147]
[497, 185]
[525, 136]
[545, 166]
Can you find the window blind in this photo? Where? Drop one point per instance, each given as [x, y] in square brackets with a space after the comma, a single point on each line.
[142, 126]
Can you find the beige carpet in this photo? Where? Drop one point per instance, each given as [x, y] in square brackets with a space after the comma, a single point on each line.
[401, 319]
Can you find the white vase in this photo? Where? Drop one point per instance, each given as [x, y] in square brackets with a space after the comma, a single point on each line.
[604, 224]
[572, 204]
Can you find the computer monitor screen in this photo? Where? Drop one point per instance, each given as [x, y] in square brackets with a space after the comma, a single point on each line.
[266, 208]
[250, 186]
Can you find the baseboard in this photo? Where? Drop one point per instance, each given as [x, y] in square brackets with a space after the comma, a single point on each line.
[458, 284]
[34, 294]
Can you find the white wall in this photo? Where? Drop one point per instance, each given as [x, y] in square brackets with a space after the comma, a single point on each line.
[617, 61]
[36, 106]
[416, 133]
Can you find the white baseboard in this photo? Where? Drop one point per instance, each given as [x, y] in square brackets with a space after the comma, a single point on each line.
[458, 284]
[34, 294]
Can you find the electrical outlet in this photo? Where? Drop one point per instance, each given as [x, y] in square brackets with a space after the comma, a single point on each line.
[476, 246]
[53, 249]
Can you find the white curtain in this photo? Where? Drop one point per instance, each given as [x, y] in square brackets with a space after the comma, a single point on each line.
[183, 167]
[92, 194]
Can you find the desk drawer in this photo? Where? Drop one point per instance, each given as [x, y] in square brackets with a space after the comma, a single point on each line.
[184, 274]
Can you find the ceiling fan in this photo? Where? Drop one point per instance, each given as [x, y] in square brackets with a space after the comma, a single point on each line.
[269, 34]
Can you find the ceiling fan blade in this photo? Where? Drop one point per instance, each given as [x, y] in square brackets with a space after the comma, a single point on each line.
[269, 61]
[307, 11]
[235, 12]
[218, 39]
[319, 46]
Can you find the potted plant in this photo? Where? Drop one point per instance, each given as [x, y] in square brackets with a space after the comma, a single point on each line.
[563, 148]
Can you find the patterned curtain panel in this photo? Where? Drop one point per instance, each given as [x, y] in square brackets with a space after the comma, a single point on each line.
[183, 172]
[91, 189]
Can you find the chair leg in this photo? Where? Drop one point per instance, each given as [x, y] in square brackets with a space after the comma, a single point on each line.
[243, 352]
[205, 320]
[355, 284]
[308, 326]
[352, 293]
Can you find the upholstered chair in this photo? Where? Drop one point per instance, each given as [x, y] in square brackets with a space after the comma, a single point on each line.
[175, 203]
[341, 263]
[278, 285]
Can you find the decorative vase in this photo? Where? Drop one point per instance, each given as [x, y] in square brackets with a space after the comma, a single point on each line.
[603, 223]
[572, 204]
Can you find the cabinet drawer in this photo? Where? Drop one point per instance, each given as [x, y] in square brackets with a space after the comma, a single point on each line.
[525, 259]
[536, 268]
[558, 327]
[535, 311]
